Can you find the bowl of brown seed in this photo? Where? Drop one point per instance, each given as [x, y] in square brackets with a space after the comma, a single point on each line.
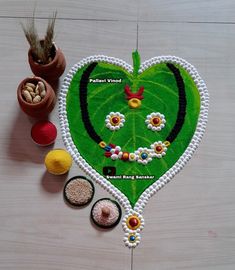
[36, 97]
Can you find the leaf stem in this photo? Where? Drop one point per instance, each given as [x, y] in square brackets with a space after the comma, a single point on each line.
[136, 62]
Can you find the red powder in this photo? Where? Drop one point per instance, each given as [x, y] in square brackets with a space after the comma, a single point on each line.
[44, 133]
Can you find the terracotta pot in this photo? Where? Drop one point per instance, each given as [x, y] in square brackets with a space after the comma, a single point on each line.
[41, 109]
[51, 71]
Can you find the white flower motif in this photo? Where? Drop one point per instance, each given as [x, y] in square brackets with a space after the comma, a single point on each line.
[115, 152]
[114, 121]
[131, 240]
[155, 121]
[159, 149]
[132, 236]
[133, 213]
[143, 155]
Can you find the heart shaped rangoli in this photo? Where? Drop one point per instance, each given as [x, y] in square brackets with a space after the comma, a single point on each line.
[131, 129]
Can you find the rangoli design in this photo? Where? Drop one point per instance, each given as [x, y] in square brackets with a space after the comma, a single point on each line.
[131, 129]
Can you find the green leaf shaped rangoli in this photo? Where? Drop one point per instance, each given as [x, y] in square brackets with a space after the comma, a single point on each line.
[132, 129]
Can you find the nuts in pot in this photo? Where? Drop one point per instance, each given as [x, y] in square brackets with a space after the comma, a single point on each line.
[27, 96]
[34, 93]
[37, 99]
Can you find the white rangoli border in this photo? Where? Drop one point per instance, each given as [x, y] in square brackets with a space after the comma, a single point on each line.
[164, 179]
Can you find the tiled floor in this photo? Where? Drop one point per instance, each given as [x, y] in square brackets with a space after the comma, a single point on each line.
[190, 224]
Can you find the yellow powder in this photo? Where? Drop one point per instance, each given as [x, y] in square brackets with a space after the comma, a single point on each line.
[58, 161]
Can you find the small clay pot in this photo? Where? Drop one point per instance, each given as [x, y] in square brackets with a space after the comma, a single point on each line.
[42, 108]
[51, 71]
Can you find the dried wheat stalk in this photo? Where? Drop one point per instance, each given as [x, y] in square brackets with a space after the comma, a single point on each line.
[48, 40]
[41, 51]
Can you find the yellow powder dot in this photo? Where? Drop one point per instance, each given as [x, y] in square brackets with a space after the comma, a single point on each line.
[167, 143]
[134, 103]
[58, 161]
[102, 144]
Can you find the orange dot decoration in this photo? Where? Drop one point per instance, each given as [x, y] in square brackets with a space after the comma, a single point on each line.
[125, 156]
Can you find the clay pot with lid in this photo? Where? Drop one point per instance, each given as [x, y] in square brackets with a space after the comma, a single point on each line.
[51, 71]
[42, 108]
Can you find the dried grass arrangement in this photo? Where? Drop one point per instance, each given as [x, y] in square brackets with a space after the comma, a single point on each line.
[42, 49]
